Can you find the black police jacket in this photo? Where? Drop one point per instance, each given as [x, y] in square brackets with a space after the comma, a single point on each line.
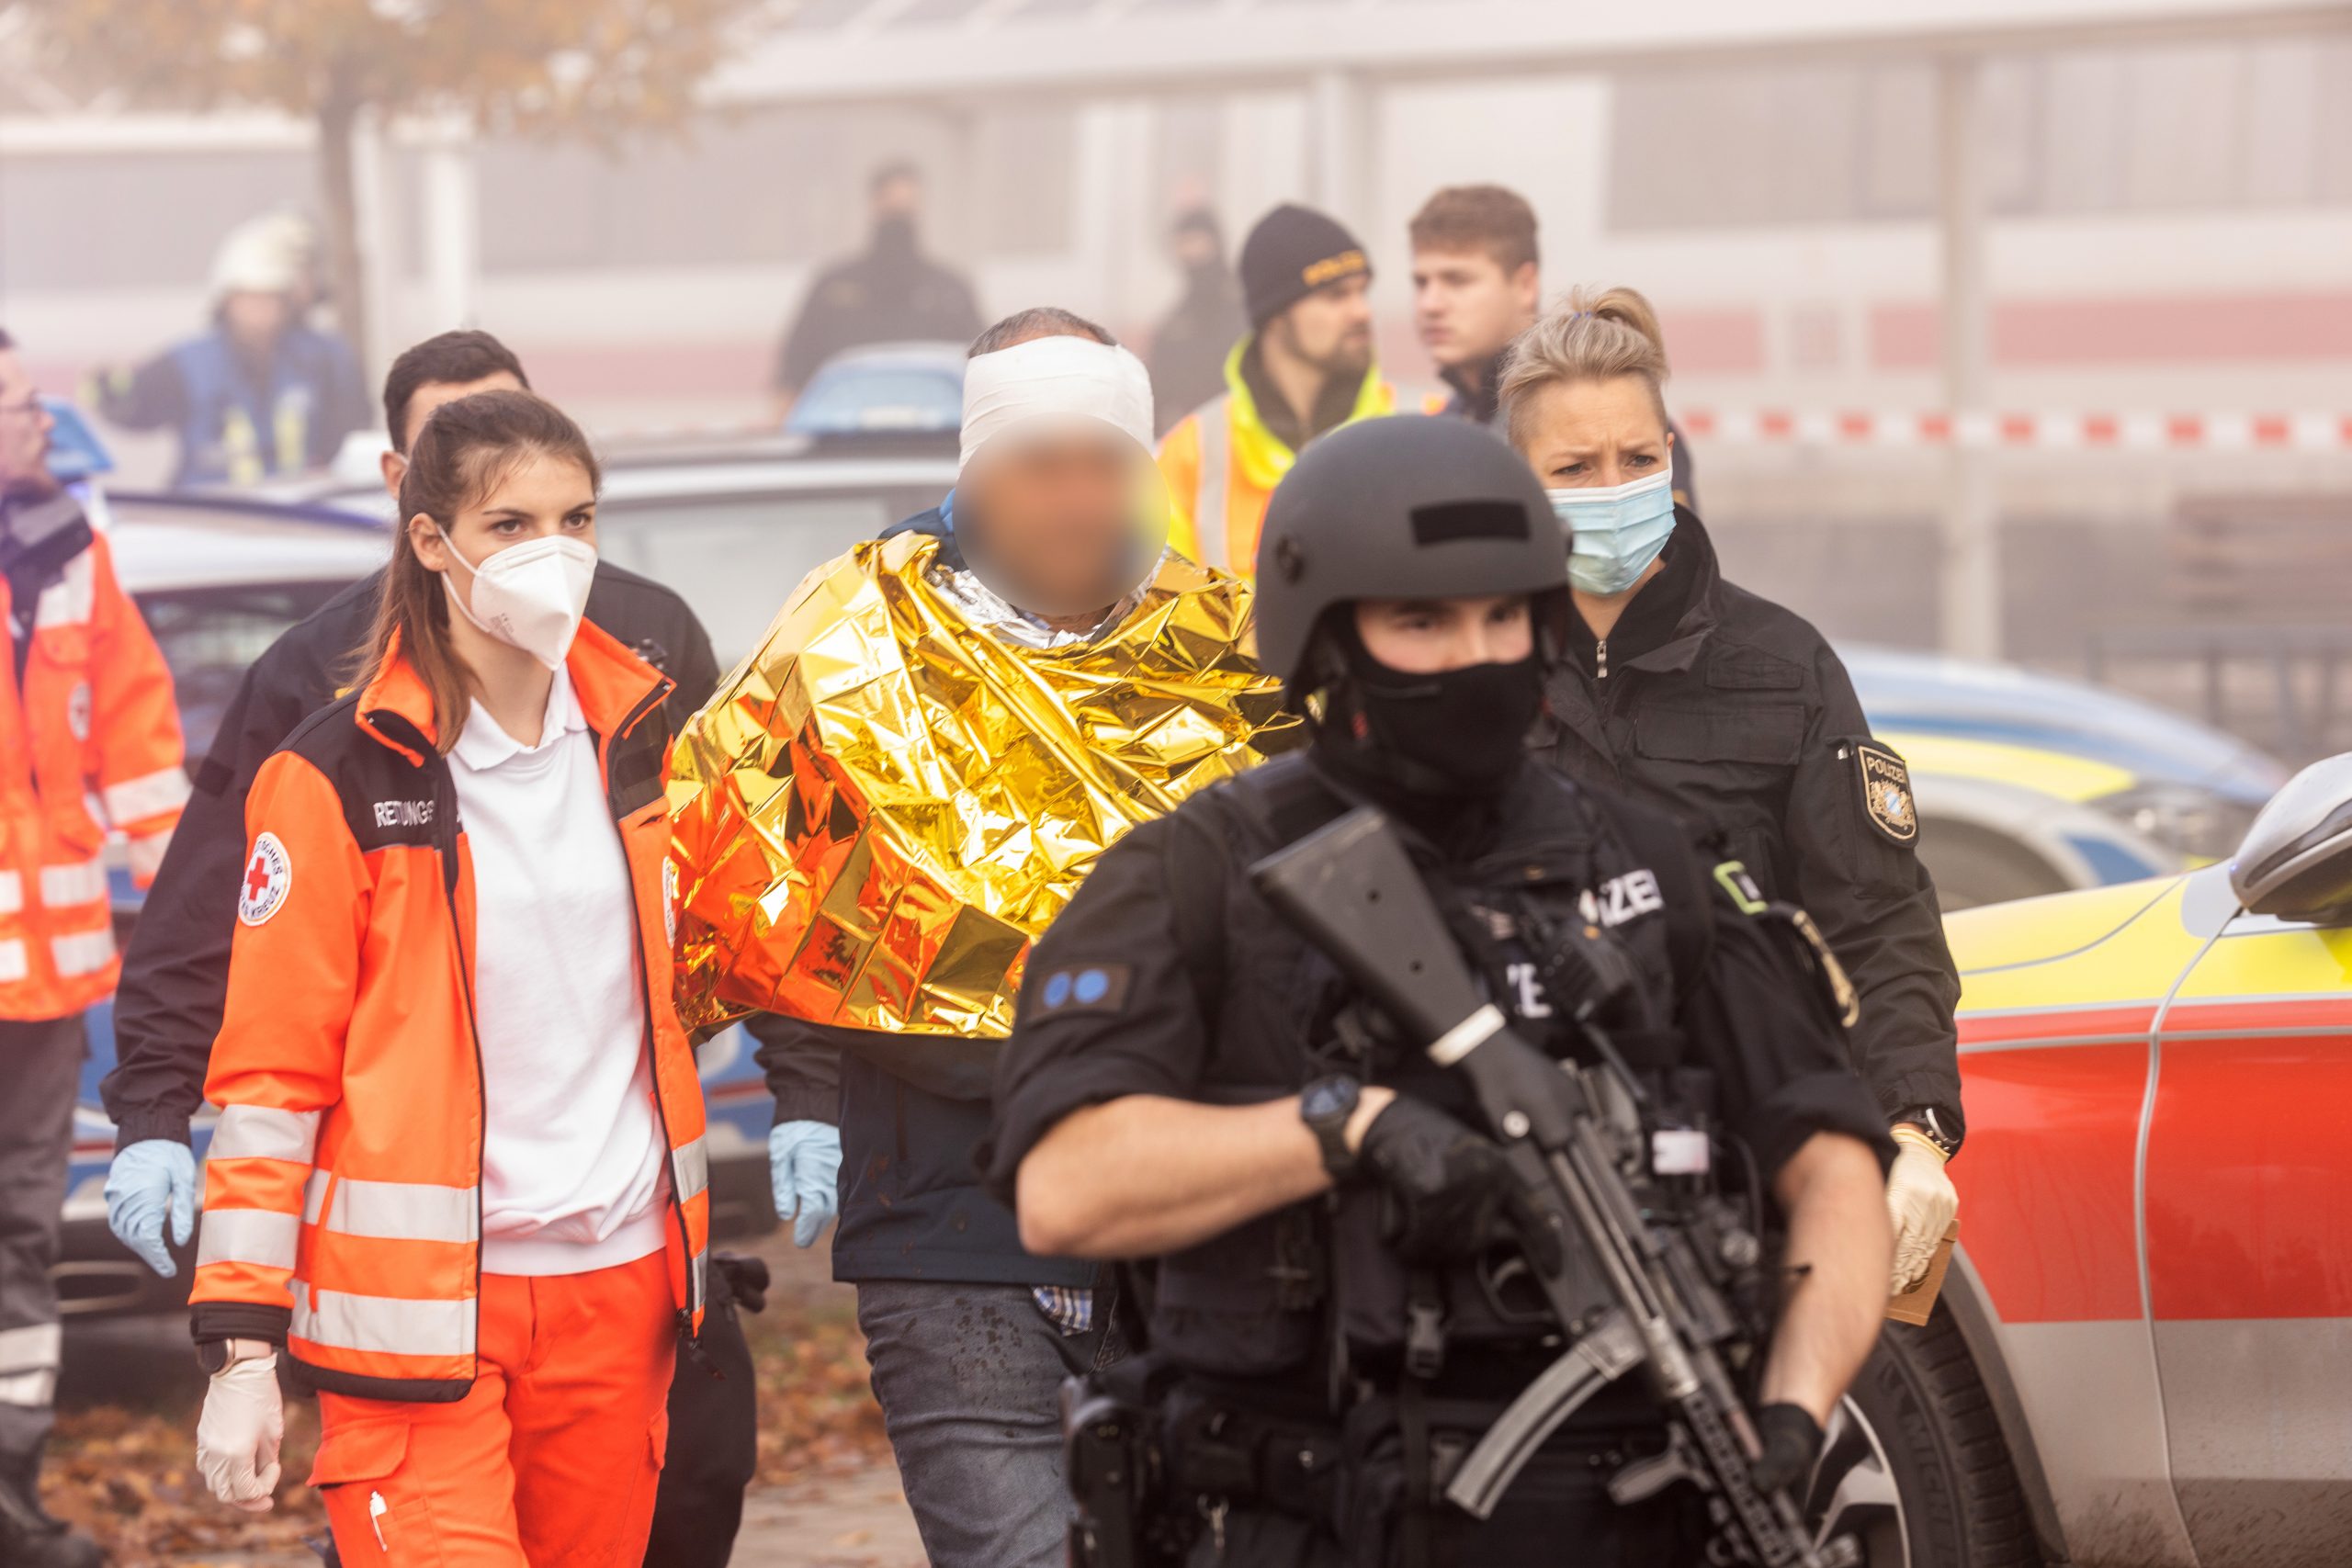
[175, 974]
[910, 1112]
[1734, 714]
[1169, 975]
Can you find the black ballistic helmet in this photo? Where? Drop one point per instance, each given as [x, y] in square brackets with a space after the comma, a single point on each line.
[1410, 506]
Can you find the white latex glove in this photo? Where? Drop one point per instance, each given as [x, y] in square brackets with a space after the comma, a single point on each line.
[804, 1171]
[238, 1435]
[1921, 1201]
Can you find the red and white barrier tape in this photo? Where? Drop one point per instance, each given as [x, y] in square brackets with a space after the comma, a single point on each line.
[2046, 432]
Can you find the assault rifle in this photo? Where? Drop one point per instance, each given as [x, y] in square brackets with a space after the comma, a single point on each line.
[1626, 1291]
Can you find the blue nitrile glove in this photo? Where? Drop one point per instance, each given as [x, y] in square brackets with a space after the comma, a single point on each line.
[804, 1170]
[150, 1177]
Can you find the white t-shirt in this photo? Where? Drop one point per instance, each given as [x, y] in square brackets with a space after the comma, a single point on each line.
[573, 1175]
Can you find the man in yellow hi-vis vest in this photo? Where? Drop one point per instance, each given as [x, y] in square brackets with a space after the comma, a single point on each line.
[1305, 367]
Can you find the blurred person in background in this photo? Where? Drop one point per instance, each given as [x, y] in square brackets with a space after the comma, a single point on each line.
[1305, 366]
[1189, 349]
[90, 740]
[459, 1178]
[1478, 284]
[889, 292]
[1689, 692]
[175, 975]
[262, 392]
[1038, 604]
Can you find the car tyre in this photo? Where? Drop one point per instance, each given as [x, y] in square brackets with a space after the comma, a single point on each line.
[1915, 1466]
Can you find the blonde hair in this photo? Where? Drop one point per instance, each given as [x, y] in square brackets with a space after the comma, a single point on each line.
[1588, 336]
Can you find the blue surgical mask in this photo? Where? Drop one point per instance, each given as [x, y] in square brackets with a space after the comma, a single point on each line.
[1614, 534]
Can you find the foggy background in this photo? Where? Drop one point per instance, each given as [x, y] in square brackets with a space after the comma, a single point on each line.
[2167, 237]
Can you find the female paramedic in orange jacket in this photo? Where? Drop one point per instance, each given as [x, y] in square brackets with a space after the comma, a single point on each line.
[459, 1169]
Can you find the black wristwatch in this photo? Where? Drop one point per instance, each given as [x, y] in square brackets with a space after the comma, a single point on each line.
[1324, 1106]
[1924, 1117]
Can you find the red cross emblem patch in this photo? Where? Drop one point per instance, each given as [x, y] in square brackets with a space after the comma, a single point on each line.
[269, 873]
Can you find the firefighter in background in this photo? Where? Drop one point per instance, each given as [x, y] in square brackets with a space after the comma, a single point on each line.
[263, 392]
[88, 716]
[1305, 367]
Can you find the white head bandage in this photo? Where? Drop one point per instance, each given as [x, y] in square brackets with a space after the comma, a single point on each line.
[1055, 379]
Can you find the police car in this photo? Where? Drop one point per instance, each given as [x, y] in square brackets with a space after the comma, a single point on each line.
[2143, 1352]
[2027, 784]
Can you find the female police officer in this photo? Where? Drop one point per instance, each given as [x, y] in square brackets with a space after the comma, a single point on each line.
[1694, 694]
[1328, 1286]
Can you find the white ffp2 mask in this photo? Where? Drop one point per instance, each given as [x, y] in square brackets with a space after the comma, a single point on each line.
[529, 595]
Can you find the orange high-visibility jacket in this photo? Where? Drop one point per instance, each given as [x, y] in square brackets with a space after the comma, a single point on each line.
[343, 1190]
[1221, 463]
[91, 732]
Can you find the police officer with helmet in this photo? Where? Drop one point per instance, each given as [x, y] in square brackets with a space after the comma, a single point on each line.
[1343, 1234]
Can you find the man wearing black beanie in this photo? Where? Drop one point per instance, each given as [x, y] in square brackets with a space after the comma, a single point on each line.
[1305, 367]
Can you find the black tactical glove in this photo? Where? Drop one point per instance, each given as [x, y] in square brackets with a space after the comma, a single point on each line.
[1792, 1440]
[746, 1276]
[1448, 1185]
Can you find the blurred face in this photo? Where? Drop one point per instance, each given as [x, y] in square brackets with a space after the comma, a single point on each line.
[1596, 434]
[254, 316]
[901, 196]
[1330, 329]
[539, 496]
[420, 404]
[1430, 636]
[24, 425]
[1050, 521]
[1467, 308]
[1193, 248]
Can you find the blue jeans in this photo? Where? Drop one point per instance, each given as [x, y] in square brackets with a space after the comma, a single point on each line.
[969, 1378]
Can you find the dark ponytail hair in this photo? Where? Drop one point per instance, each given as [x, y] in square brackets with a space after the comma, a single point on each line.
[465, 450]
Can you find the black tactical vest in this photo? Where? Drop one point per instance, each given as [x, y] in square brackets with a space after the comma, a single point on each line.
[1267, 1299]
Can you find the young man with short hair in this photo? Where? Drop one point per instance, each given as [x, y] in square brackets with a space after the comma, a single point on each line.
[1478, 284]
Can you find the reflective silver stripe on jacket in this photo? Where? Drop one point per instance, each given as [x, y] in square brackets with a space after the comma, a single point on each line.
[387, 1325]
[1209, 525]
[690, 1168]
[82, 952]
[254, 1132]
[80, 882]
[151, 795]
[31, 1349]
[392, 1210]
[260, 1237]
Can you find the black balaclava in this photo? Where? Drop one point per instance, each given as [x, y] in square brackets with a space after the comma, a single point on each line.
[1424, 747]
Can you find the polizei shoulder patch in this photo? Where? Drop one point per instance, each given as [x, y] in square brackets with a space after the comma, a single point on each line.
[1886, 792]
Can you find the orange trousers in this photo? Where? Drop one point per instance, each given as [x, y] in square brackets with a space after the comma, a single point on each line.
[551, 1461]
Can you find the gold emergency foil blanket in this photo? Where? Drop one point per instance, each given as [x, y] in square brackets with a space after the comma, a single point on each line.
[886, 802]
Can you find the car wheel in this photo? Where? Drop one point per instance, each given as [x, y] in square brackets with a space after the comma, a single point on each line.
[1914, 1468]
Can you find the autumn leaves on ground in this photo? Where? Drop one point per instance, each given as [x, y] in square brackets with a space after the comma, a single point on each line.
[125, 1469]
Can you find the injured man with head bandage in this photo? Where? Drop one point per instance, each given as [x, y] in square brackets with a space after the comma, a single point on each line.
[882, 806]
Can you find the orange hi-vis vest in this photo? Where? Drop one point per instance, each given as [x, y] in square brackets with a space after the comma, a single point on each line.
[343, 1190]
[1221, 463]
[89, 738]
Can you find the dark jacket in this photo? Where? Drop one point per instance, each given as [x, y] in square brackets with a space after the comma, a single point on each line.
[175, 975]
[1190, 347]
[913, 1207]
[1734, 712]
[890, 293]
[1202, 992]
